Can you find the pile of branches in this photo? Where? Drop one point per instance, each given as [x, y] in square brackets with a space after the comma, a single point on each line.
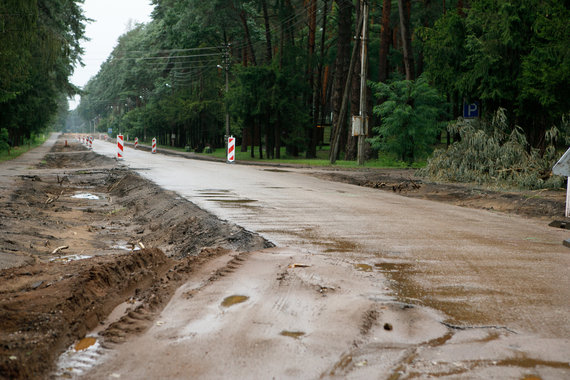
[493, 153]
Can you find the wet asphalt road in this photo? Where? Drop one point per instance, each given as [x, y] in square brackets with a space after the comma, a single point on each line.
[492, 290]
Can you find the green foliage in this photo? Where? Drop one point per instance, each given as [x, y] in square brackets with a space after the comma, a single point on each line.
[278, 100]
[39, 49]
[4, 140]
[493, 154]
[509, 54]
[410, 117]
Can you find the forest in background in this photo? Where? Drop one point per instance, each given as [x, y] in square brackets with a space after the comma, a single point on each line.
[40, 46]
[279, 69]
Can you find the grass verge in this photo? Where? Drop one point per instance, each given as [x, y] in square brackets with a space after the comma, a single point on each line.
[384, 160]
[19, 150]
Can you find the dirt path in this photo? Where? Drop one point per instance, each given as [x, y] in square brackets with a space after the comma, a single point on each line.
[241, 309]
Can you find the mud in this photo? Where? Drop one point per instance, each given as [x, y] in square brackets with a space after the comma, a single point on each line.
[66, 262]
[546, 204]
[107, 264]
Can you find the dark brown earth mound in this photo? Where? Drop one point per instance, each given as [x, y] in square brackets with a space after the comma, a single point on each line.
[44, 307]
[84, 235]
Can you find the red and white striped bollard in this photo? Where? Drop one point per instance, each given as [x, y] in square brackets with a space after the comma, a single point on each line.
[231, 149]
[119, 147]
[154, 145]
[136, 142]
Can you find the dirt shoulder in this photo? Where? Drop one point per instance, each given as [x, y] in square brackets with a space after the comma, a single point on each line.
[81, 235]
[545, 204]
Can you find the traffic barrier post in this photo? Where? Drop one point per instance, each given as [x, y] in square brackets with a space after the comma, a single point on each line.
[231, 149]
[119, 147]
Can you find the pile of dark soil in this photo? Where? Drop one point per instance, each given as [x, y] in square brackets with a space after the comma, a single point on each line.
[45, 307]
[83, 235]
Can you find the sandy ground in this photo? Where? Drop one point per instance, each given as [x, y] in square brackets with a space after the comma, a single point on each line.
[150, 286]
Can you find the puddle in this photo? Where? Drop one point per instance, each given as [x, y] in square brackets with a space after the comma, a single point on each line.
[126, 248]
[79, 358]
[292, 334]
[84, 343]
[85, 196]
[233, 300]
[238, 201]
[70, 258]
[214, 191]
[391, 267]
[363, 267]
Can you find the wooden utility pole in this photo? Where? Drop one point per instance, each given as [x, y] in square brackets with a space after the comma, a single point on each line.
[363, 87]
[335, 140]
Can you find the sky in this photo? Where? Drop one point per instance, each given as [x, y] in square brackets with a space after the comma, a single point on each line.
[111, 19]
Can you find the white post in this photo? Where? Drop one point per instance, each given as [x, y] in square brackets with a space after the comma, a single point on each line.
[562, 168]
[568, 198]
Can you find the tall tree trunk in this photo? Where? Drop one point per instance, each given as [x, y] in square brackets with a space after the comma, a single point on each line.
[260, 133]
[320, 90]
[312, 133]
[384, 41]
[312, 16]
[341, 65]
[252, 138]
[404, 10]
[268, 54]
[278, 139]
[243, 17]
[425, 22]
[244, 140]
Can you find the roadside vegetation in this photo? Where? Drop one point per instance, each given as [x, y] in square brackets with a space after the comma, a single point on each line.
[274, 74]
[40, 45]
[9, 153]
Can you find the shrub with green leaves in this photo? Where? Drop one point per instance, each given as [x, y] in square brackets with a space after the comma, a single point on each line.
[410, 117]
[492, 153]
[4, 140]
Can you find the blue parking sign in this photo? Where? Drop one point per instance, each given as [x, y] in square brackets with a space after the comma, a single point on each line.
[471, 110]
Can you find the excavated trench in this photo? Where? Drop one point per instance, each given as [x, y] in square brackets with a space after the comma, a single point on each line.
[83, 235]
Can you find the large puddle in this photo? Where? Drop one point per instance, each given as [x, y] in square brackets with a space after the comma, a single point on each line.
[69, 258]
[85, 196]
[234, 300]
[292, 334]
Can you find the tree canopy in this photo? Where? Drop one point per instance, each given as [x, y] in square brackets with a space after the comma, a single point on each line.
[281, 69]
[40, 45]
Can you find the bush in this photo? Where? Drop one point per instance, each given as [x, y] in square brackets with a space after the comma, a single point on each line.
[4, 140]
[489, 153]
